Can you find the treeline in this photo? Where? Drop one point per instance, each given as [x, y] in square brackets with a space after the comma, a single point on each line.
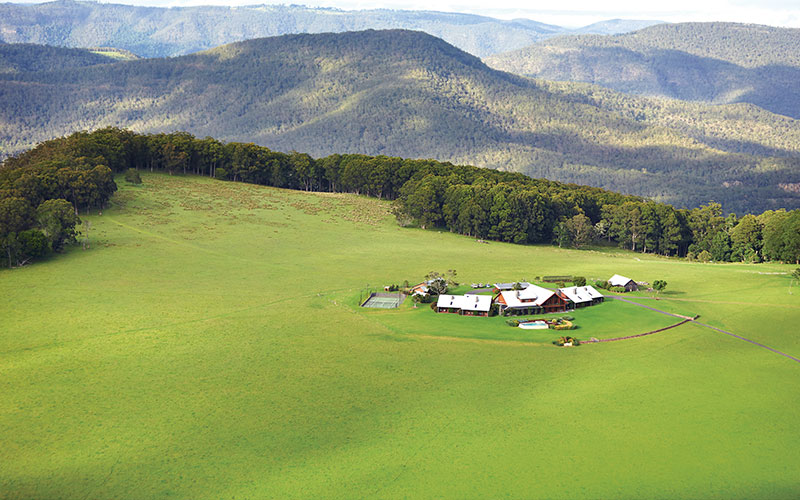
[482, 203]
[699, 234]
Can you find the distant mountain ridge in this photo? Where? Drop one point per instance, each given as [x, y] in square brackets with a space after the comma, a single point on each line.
[708, 62]
[404, 93]
[159, 32]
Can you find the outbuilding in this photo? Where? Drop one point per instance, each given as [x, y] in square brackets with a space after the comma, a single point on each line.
[628, 284]
[581, 296]
[465, 305]
[516, 285]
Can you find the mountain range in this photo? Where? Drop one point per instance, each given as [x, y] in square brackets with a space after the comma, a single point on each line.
[709, 62]
[159, 32]
[405, 93]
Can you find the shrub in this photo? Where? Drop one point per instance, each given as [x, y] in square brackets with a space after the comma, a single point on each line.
[617, 289]
[691, 256]
[579, 281]
[567, 318]
[438, 286]
[566, 340]
[603, 285]
[704, 256]
[132, 176]
[512, 322]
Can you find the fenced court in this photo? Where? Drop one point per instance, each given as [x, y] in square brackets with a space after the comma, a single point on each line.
[384, 300]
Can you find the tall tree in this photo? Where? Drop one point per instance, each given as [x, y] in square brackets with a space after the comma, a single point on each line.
[57, 220]
[746, 239]
[15, 216]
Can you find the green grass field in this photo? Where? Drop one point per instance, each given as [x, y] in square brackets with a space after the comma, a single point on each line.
[210, 345]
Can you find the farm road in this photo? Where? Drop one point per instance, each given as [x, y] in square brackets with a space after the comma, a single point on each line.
[712, 328]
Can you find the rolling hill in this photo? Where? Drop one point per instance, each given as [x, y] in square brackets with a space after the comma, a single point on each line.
[409, 94]
[709, 62]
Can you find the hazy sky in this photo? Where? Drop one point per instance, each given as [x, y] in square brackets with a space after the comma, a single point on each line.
[571, 13]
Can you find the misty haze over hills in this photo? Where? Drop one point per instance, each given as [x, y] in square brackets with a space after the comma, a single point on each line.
[159, 32]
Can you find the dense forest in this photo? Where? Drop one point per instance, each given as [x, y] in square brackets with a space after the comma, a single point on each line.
[408, 94]
[709, 62]
[42, 190]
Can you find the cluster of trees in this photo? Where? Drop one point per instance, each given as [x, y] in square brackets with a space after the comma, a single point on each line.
[28, 233]
[42, 190]
[483, 203]
[701, 233]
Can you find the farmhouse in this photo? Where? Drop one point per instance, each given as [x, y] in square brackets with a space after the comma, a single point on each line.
[531, 300]
[580, 296]
[628, 284]
[465, 305]
[421, 289]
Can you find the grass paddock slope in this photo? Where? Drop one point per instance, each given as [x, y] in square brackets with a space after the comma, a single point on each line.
[210, 345]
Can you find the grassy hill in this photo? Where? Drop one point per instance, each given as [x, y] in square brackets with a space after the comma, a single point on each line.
[408, 94]
[206, 346]
[709, 62]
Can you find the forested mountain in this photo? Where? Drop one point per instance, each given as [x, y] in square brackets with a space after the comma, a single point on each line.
[709, 62]
[408, 94]
[28, 57]
[157, 32]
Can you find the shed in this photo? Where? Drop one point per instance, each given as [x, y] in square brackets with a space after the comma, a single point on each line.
[581, 296]
[628, 284]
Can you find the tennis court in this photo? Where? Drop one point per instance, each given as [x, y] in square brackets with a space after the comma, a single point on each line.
[384, 300]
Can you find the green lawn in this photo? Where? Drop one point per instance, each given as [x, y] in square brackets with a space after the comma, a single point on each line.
[209, 345]
[610, 319]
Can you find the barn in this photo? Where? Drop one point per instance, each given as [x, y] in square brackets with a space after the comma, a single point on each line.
[628, 284]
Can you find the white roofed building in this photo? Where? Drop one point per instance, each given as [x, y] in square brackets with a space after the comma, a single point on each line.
[581, 296]
[628, 284]
[531, 300]
[465, 305]
[501, 287]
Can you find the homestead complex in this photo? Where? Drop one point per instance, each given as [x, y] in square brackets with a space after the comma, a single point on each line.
[522, 298]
